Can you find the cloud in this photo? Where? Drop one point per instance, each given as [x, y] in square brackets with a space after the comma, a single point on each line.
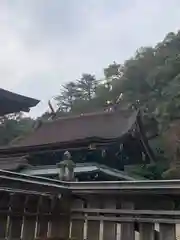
[45, 43]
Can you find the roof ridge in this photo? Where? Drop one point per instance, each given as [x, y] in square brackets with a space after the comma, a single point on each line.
[90, 114]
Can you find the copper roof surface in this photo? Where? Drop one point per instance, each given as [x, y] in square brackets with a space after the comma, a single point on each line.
[11, 102]
[51, 170]
[104, 125]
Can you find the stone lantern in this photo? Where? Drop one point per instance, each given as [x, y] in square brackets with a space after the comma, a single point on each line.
[66, 168]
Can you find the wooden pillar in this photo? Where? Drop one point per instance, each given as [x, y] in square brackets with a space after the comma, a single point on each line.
[167, 231]
[146, 231]
[127, 229]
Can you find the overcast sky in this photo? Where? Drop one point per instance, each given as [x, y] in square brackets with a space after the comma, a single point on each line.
[44, 43]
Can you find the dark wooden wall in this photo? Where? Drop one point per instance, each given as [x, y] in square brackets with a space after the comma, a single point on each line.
[31, 217]
[111, 217]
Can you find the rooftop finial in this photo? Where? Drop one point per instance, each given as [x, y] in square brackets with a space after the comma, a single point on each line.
[53, 113]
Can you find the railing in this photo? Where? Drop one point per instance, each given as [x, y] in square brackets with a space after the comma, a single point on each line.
[33, 208]
[125, 210]
[144, 210]
[31, 217]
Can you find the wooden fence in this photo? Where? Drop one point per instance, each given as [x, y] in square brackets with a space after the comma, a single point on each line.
[91, 210]
[30, 217]
[120, 211]
[33, 208]
[109, 222]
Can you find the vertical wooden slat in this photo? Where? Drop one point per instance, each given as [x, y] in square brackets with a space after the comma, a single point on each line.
[55, 226]
[77, 229]
[109, 231]
[8, 226]
[16, 216]
[53, 201]
[3, 224]
[59, 227]
[4, 206]
[118, 231]
[110, 228]
[9, 219]
[29, 223]
[93, 227]
[43, 217]
[29, 228]
[167, 231]
[54, 218]
[15, 227]
[178, 231]
[127, 229]
[65, 204]
[42, 227]
[60, 219]
[146, 231]
[24, 210]
[77, 226]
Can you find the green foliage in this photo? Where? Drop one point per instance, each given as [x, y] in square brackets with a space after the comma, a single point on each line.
[149, 80]
[68, 96]
[152, 172]
[155, 170]
[12, 126]
[86, 86]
